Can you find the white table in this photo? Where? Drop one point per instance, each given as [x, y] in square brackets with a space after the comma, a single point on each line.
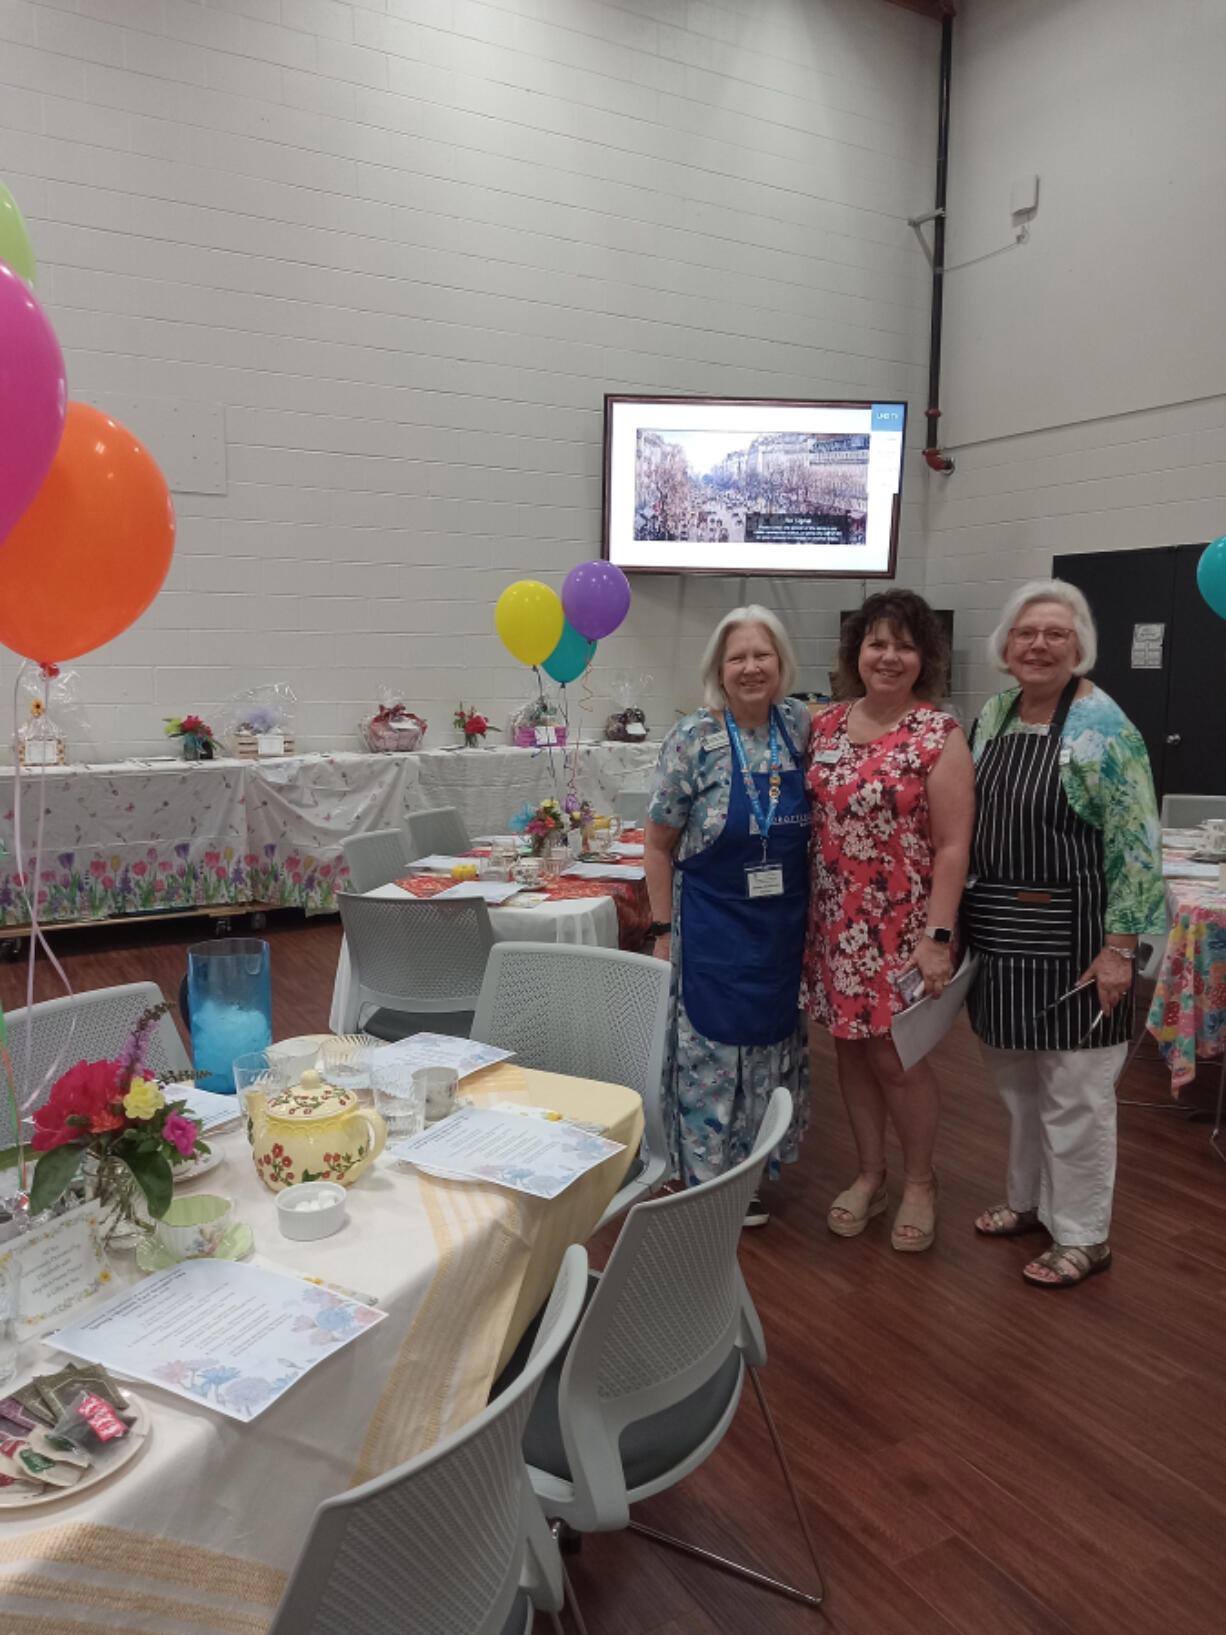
[211, 1513]
[587, 921]
[142, 836]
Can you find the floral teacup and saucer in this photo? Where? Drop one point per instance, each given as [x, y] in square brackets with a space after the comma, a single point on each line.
[195, 1228]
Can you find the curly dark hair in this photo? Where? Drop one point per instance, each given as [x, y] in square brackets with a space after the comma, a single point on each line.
[906, 613]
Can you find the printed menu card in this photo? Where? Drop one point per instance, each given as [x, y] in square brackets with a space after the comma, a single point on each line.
[231, 1335]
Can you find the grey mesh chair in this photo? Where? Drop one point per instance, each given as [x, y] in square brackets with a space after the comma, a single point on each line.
[452, 1543]
[591, 1012]
[419, 964]
[652, 1379]
[1189, 811]
[631, 806]
[377, 857]
[85, 1027]
[437, 830]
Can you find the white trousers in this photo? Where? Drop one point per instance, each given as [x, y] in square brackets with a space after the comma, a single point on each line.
[1062, 1143]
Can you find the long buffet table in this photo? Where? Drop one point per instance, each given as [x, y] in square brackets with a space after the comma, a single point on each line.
[137, 837]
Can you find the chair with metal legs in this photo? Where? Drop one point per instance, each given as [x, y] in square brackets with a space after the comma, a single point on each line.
[651, 1380]
[454, 1539]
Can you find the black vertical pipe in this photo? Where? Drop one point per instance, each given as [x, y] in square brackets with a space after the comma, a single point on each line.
[932, 453]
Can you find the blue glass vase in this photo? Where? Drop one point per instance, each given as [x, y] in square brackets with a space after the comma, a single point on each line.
[229, 985]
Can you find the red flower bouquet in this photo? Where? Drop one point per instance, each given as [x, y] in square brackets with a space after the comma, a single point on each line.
[472, 724]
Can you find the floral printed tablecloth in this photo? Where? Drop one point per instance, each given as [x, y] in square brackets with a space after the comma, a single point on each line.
[1188, 1013]
[138, 836]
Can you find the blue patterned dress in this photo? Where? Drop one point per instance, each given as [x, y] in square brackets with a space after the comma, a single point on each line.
[715, 1095]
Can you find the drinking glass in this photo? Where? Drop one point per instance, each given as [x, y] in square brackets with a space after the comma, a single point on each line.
[440, 1088]
[399, 1099]
[254, 1071]
[230, 999]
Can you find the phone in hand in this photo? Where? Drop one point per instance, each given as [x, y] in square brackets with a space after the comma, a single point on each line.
[910, 986]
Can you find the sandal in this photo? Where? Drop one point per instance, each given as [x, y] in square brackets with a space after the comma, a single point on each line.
[923, 1227]
[1071, 1262]
[846, 1201]
[1004, 1222]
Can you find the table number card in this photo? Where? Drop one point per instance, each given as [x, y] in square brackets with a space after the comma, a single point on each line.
[270, 743]
[62, 1267]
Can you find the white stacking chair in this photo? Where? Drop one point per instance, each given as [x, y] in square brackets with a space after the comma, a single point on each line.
[594, 1013]
[377, 857]
[85, 1027]
[1190, 811]
[451, 1543]
[652, 1378]
[417, 964]
[437, 831]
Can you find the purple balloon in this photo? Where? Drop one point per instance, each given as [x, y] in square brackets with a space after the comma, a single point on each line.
[596, 598]
[33, 397]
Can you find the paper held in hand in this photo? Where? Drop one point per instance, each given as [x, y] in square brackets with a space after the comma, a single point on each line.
[917, 1029]
[526, 1154]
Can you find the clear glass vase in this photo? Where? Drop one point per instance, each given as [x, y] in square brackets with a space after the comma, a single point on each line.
[121, 1204]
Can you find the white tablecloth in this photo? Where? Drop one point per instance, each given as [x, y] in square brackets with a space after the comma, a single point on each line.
[141, 836]
[195, 1537]
[591, 921]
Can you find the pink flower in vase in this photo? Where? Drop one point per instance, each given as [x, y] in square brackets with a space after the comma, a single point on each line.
[181, 1132]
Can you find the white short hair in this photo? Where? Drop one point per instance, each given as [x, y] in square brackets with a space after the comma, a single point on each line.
[1047, 590]
[713, 695]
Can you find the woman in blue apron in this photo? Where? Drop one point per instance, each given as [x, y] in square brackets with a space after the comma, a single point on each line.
[727, 870]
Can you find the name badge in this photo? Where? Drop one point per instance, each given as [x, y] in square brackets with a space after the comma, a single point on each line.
[828, 757]
[1066, 755]
[717, 740]
[764, 880]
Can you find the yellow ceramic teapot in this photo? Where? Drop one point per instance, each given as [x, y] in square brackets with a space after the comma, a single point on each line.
[311, 1132]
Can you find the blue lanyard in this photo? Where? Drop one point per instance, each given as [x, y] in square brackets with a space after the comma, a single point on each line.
[751, 791]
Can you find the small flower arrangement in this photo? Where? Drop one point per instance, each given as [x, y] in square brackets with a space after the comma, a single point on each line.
[113, 1120]
[199, 743]
[580, 812]
[548, 823]
[473, 725]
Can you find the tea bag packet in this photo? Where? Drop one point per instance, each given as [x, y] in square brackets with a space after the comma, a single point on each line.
[53, 1446]
[15, 1418]
[18, 1458]
[59, 1389]
[89, 1422]
[30, 1397]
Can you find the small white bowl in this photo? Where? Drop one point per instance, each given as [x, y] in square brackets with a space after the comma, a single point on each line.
[319, 1221]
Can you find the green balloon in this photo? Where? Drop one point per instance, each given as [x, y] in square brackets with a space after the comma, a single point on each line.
[14, 240]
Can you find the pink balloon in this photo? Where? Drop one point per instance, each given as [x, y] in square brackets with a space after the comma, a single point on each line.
[33, 397]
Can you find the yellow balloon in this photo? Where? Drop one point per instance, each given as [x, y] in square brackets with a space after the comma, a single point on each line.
[14, 240]
[529, 619]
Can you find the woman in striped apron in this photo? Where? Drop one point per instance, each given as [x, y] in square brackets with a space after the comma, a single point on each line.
[1065, 874]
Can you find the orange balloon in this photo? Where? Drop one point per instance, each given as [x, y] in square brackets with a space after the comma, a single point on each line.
[91, 550]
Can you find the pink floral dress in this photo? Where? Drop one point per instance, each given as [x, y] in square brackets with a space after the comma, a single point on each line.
[871, 866]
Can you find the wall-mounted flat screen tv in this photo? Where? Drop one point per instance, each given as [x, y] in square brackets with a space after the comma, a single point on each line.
[752, 485]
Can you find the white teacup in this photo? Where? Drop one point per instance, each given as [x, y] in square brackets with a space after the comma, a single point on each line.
[441, 1088]
[527, 872]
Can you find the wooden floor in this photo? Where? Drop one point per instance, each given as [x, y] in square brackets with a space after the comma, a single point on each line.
[975, 1456]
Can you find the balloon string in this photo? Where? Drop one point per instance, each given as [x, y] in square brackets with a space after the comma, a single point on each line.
[32, 1094]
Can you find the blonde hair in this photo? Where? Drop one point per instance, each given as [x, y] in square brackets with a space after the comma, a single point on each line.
[713, 695]
[1047, 590]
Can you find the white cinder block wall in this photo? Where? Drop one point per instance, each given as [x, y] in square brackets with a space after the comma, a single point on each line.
[360, 272]
[1085, 371]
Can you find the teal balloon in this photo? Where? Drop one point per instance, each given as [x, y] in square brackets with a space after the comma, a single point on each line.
[1211, 576]
[570, 658]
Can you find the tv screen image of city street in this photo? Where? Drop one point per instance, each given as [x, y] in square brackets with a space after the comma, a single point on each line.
[750, 486]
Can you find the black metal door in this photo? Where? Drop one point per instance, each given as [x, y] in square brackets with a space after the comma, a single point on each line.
[1132, 595]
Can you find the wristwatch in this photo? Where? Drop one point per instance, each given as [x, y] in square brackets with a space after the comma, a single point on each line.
[939, 933]
[659, 928]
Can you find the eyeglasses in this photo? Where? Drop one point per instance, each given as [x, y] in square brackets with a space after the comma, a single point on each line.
[1027, 635]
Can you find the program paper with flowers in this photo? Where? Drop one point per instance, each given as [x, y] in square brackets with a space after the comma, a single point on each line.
[230, 1335]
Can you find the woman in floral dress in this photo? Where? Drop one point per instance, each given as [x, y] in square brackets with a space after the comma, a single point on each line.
[727, 871]
[892, 787]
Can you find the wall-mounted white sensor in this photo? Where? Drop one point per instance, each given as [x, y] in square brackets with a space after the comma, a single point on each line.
[1024, 196]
